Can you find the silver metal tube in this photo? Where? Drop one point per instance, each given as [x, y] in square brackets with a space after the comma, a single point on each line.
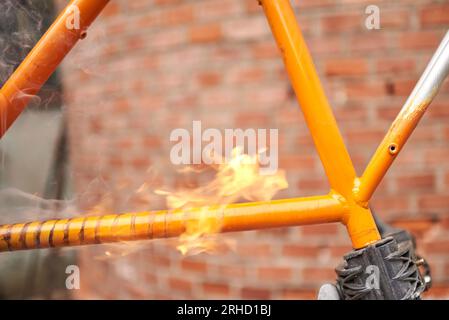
[406, 121]
[431, 79]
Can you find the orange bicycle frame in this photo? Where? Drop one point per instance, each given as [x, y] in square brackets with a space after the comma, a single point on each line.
[348, 199]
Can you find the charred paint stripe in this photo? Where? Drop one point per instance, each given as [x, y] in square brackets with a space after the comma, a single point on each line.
[66, 232]
[81, 233]
[114, 224]
[50, 236]
[150, 226]
[165, 225]
[37, 237]
[133, 224]
[23, 236]
[97, 226]
[7, 236]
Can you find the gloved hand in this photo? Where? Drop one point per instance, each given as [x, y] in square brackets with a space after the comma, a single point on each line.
[328, 292]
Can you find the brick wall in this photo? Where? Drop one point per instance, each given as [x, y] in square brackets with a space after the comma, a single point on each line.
[150, 66]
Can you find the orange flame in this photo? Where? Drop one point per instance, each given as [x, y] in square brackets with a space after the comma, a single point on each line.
[237, 178]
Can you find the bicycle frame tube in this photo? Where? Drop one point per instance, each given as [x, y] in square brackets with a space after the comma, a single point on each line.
[406, 121]
[306, 84]
[45, 57]
[347, 202]
[320, 119]
[164, 224]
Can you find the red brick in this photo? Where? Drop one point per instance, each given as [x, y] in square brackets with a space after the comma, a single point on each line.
[297, 161]
[319, 229]
[346, 67]
[415, 182]
[180, 15]
[434, 15]
[141, 163]
[178, 284]
[395, 65]
[247, 29]
[258, 250]
[232, 271]
[167, 2]
[419, 40]
[195, 266]
[110, 10]
[125, 143]
[312, 184]
[351, 113]
[388, 113]
[433, 201]
[438, 110]
[365, 90]
[275, 273]
[342, 22]
[209, 79]
[161, 261]
[255, 293]
[395, 19]
[416, 226]
[265, 50]
[252, 6]
[251, 119]
[151, 142]
[247, 75]
[318, 275]
[332, 45]
[370, 44]
[205, 33]
[122, 106]
[135, 42]
[299, 294]
[215, 10]
[300, 251]
[340, 251]
[390, 203]
[437, 156]
[167, 38]
[215, 289]
[437, 292]
[116, 162]
[436, 247]
[308, 4]
[403, 87]
[364, 135]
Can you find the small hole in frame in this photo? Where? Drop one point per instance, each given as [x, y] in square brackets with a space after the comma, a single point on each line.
[393, 148]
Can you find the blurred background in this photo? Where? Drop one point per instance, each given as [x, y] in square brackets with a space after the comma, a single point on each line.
[101, 127]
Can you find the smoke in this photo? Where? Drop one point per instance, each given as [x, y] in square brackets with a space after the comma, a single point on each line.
[21, 25]
[86, 56]
[18, 206]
